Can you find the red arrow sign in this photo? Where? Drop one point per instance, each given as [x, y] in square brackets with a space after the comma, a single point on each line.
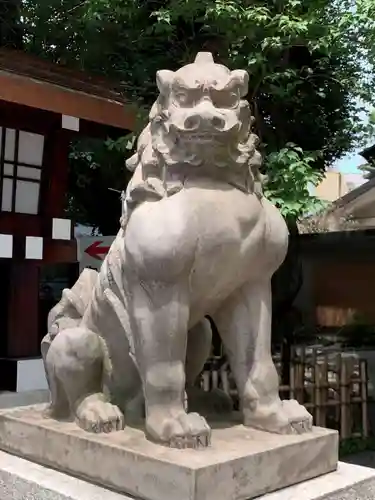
[96, 251]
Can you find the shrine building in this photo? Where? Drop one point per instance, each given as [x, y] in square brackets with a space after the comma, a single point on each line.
[43, 107]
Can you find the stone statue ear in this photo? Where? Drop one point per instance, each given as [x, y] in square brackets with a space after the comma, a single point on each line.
[240, 77]
[164, 78]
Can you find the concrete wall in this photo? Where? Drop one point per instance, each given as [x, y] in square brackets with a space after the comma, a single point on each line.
[332, 187]
[337, 184]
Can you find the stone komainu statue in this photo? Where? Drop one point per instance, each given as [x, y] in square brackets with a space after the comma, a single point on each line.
[197, 238]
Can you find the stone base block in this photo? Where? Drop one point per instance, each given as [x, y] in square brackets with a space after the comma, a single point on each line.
[348, 482]
[242, 463]
[24, 480]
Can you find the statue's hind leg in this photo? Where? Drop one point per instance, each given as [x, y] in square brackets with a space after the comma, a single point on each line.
[59, 407]
[244, 324]
[75, 362]
[160, 317]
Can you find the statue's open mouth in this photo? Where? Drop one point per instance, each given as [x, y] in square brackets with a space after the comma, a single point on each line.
[200, 137]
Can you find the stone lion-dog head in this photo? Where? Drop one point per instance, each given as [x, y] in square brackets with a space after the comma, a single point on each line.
[200, 124]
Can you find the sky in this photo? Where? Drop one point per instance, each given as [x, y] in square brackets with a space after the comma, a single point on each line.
[349, 164]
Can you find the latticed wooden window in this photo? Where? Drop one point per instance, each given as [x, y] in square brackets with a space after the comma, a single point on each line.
[21, 160]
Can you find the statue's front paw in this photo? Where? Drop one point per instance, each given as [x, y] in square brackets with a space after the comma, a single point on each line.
[281, 417]
[99, 416]
[300, 420]
[186, 430]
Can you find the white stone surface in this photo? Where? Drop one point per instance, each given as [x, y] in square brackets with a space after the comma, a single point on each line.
[241, 462]
[6, 246]
[61, 229]
[332, 486]
[34, 247]
[24, 480]
[31, 375]
[21, 479]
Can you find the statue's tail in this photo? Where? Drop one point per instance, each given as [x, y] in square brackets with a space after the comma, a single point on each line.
[110, 288]
[121, 312]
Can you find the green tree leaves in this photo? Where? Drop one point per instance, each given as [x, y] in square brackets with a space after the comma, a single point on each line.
[290, 176]
[310, 65]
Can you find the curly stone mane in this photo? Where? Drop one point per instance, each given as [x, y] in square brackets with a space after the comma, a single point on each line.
[161, 159]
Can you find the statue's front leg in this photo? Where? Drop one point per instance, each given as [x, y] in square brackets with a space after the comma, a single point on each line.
[244, 324]
[160, 314]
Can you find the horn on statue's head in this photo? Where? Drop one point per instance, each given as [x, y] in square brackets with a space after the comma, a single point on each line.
[204, 58]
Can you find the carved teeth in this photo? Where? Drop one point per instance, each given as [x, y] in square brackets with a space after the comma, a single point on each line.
[200, 137]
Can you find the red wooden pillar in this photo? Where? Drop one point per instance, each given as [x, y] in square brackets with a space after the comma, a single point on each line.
[23, 304]
[55, 174]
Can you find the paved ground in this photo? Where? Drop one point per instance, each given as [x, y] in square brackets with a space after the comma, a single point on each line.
[11, 399]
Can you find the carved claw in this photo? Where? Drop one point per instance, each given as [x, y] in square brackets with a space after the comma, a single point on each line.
[194, 442]
[187, 430]
[282, 417]
[100, 416]
[300, 420]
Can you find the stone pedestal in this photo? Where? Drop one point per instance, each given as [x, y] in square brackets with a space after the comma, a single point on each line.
[24, 480]
[348, 482]
[241, 463]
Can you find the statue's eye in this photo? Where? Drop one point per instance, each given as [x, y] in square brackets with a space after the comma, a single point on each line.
[181, 97]
[225, 99]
